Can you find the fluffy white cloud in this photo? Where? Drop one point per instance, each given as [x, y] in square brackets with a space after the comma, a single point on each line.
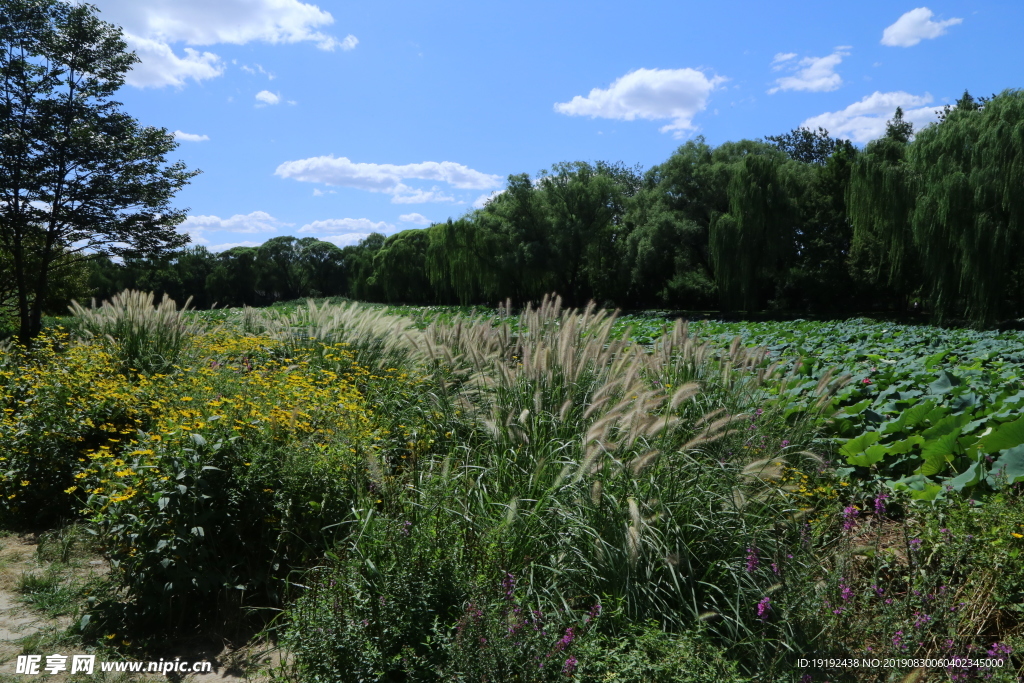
[151, 27]
[160, 66]
[865, 120]
[915, 26]
[267, 97]
[815, 74]
[387, 178]
[417, 218]
[676, 94]
[190, 137]
[337, 225]
[257, 221]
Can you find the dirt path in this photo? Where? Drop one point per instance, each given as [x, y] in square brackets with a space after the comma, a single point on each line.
[24, 630]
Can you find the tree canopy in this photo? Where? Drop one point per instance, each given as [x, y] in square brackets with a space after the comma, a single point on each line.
[77, 174]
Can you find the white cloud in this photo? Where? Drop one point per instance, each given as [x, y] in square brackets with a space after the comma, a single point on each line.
[417, 218]
[317, 192]
[409, 195]
[338, 225]
[865, 120]
[160, 66]
[915, 26]
[346, 240]
[676, 94]
[153, 26]
[267, 97]
[230, 245]
[814, 74]
[387, 178]
[484, 199]
[190, 137]
[257, 70]
[257, 221]
[781, 57]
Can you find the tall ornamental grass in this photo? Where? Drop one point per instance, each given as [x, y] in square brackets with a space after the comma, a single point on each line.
[144, 336]
[556, 480]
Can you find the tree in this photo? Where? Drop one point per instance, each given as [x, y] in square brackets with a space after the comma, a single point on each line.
[806, 145]
[76, 173]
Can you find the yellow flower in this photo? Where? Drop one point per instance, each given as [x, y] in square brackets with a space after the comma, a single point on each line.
[1016, 535]
[71, 489]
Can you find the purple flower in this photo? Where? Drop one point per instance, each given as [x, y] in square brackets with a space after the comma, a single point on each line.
[915, 544]
[752, 560]
[763, 608]
[880, 503]
[921, 620]
[405, 528]
[849, 513]
[845, 592]
[897, 640]
[775, 567]
[569, 666]
[785, 442]
[508, 584]
[565, 640]
[878, 590]
[1000, 651]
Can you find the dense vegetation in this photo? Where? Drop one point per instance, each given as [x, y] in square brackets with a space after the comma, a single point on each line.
[549, 495]
[797, 222]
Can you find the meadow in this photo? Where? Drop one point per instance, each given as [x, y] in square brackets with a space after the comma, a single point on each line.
[446, 494]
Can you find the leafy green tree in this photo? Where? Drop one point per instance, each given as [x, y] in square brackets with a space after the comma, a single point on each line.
[76, 173]
[232, 282]
[359, 268]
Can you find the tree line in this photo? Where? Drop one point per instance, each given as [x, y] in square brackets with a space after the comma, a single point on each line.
[799, 222]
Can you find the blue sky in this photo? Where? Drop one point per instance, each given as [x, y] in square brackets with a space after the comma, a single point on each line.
[334, 119]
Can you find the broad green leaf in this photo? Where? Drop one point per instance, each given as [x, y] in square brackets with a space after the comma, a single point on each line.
[858, 444]
[944, 383]
[970, 477]
[1009, 465]
[871, 455]
[1005, 436]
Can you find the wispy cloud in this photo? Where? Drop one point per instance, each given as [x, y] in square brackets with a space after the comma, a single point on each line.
[416, 218]
[388, 178]
[190, 137]
[812, 74]
[267, 97]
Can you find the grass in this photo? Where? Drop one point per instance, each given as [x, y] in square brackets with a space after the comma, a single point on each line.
[445, 494]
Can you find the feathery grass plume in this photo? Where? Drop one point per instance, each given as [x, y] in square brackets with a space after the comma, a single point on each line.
[144, 336]
[764, 469]
[633, 536]
[639, 464]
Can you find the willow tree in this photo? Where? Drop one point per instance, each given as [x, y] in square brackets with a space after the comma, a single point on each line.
[949, 206]
[459, 261]
[399, 268]
[968, 220]
[880, 203]
[750, 241]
